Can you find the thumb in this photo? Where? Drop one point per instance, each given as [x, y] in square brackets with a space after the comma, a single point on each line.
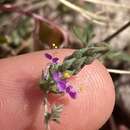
[21, 99]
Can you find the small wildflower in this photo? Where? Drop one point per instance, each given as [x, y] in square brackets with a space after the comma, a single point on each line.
[56, 76]
[62, 85]
[55, 81]
[60, 78]
[53, 59]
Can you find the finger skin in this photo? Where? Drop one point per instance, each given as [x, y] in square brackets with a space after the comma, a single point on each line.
[21, 100]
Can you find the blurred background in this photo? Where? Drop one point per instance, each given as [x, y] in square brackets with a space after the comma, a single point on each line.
[31, 25]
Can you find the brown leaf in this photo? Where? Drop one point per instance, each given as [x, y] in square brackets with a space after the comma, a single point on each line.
[48, 35]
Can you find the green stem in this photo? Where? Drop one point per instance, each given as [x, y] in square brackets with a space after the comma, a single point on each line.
[47, 127]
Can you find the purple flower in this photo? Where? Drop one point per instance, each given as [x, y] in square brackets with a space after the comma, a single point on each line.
[73, 93]
[53, 59]
[57, 76]
[48, 56]
[70, 90]
[63, 86]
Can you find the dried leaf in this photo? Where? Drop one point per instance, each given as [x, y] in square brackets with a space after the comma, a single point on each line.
[48, 35]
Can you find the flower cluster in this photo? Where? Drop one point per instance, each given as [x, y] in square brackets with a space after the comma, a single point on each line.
[63, 85]
[59, 79]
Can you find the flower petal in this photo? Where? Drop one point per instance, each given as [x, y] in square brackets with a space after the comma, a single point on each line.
[56, 76]
[55, 60]
[73, 93]
[67, 89]
[61, 86]
[48, 56]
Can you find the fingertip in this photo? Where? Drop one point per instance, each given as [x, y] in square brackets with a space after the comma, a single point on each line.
[88, 111]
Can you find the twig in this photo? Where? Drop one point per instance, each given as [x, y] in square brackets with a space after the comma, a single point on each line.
[89, 15]
[116, 71]
[108, 4]
[109, 38]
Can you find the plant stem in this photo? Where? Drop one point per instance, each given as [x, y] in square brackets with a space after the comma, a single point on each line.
[109, 38]
[47, 127]
[89, 15]
[116, 71]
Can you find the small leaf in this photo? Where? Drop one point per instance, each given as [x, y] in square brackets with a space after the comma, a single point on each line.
[88, 33]
[55, 112]
[44, 84]
[54, 67]
[85, 34]
[77, 65]
[67, 64]
[78, 54]
[78, 33]
[54, 89]
[118, 56]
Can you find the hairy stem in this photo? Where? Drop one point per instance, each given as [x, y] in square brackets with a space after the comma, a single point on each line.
[47, 127]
